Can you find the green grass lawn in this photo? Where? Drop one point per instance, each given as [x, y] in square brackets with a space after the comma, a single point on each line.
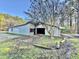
[4, 48]
[30, 52]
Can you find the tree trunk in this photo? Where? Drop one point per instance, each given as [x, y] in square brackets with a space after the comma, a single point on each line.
[35, 30]
[71, 24]
[77, 26]
[78, 17]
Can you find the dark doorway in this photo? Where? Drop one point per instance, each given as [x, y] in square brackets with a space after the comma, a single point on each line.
[32, 29]
[40, 30]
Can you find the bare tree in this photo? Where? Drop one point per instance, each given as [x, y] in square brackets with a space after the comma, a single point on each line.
[46, 11]
[50, 11]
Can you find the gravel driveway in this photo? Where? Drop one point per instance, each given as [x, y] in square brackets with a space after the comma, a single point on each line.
[4, 36]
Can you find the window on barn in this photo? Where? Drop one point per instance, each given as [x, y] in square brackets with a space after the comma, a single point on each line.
[32, 29]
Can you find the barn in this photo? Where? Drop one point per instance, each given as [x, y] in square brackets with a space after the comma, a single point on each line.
[33, 28]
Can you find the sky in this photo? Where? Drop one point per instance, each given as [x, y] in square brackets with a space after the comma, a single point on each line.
[14, 7]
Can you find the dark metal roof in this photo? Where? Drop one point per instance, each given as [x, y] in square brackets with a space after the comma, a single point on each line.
[35, 23]
[29, 22]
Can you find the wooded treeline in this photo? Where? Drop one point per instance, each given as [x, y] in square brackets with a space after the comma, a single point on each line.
[7, 21]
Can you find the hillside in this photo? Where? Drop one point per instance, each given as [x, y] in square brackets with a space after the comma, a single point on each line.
[7, 21]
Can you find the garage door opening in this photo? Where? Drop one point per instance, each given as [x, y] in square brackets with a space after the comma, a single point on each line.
[40, 30]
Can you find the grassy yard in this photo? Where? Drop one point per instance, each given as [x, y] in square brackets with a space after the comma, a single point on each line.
[4, 48]
[25, 51]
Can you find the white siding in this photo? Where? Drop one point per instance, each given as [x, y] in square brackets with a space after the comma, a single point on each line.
[26, 30]
[22, 30]
[57, 32]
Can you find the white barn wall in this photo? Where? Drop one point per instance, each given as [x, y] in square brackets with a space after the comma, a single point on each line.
[26, 30]
[22, 30]
[55, 31]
